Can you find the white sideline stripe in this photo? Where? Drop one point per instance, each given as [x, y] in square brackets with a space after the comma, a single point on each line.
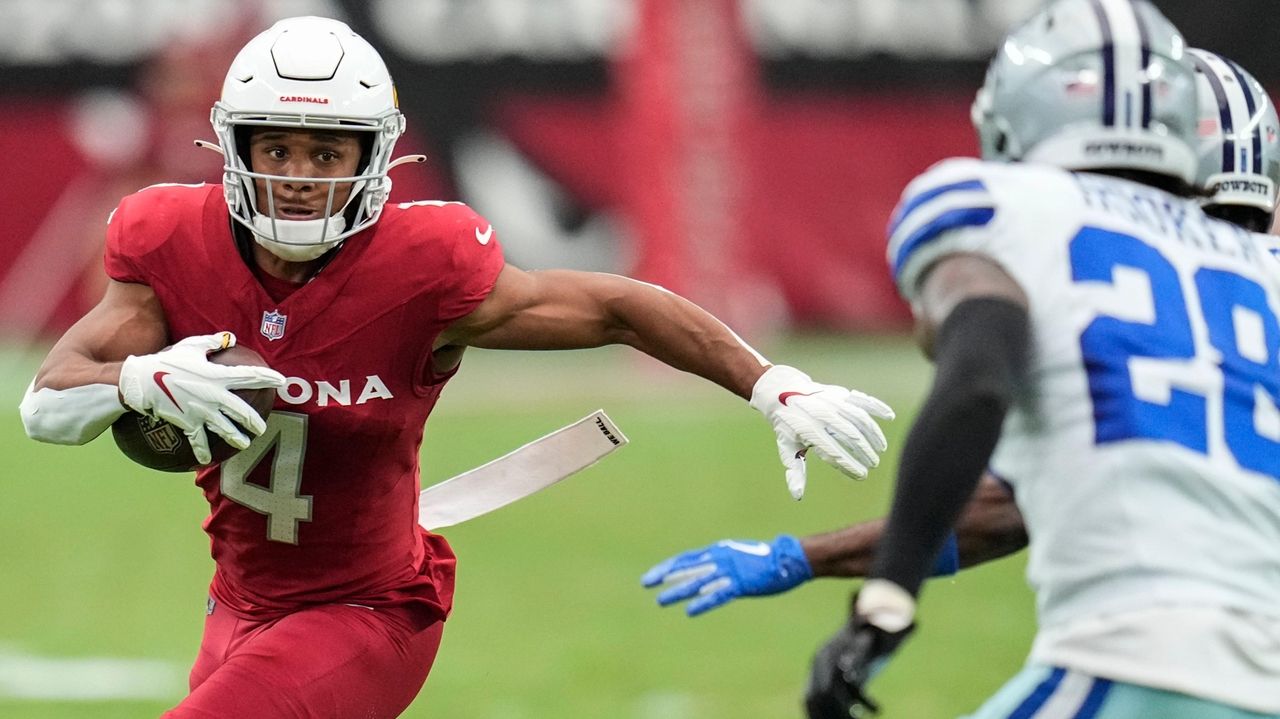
[667, 705]
[28, 676]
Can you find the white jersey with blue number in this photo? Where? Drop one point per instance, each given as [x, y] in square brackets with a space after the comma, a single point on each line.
[1270, 246]
[1146, 458]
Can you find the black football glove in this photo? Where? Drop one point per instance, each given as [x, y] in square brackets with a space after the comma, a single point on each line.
[844, 665]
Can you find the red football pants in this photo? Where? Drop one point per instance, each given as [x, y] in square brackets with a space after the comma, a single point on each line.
[328, 662]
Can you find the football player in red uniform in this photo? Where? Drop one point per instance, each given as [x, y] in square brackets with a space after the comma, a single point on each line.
[328, 599]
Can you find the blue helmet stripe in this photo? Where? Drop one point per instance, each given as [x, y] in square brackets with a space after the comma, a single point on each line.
[1252, 104]
[1108, 66]
[1224, 113]
[1145, 78]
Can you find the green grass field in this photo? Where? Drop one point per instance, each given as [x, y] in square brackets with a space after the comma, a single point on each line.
[103, 559]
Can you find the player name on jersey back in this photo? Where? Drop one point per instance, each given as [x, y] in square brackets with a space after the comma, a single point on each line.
[1145, 456]
[1165, 215]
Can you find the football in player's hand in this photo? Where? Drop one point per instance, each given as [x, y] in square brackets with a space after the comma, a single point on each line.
[159, 445]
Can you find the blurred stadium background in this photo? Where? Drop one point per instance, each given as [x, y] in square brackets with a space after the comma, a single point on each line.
[746, 154]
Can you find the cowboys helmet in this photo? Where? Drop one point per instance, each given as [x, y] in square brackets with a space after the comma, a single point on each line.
[1239, 138]
[1092, 84]
[308, 73]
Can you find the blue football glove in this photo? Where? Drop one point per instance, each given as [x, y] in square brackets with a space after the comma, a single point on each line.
[729, 569]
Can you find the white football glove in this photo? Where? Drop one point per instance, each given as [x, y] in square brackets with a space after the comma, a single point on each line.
[181, 386]
[834, 422]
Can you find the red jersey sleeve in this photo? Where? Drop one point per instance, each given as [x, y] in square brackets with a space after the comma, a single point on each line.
[472, 261]
[120, 257]
[144, 222]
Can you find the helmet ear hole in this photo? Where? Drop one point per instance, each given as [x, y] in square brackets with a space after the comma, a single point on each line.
[1002, 142]
[366, 150]
[242, 134]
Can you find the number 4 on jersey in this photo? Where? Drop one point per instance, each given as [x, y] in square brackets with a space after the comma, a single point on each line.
[284, 507]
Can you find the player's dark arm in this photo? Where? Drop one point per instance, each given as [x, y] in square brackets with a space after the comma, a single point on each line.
[972, 320]
[990, 527]
[976, 327]
[128, 320]
[564, 309]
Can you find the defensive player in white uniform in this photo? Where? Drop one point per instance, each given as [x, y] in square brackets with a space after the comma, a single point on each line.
[1239, 147]
[1239, 174]
[1114, 353]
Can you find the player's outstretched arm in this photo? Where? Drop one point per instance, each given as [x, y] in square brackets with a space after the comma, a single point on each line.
[990, 527]
[562, 309]
[712, 576]
[565, 309]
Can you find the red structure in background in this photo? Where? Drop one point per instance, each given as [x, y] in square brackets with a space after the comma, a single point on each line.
[759, 209]
[824, 174]
[760, 186]
[761, 206]
[829, 172]
[687, 111]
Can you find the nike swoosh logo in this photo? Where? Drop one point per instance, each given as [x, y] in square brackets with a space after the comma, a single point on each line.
[760, 549]
[483, 237]
[782, 398]
[159, 379]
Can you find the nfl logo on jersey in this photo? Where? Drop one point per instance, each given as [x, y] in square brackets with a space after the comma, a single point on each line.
[273, 325]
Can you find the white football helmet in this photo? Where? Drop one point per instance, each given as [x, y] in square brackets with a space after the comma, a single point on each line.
[309, 73]
[1239, 137]
[1091, 85]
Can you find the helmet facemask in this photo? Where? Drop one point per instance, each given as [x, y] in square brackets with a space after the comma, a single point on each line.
[308, 74]
[302, 240]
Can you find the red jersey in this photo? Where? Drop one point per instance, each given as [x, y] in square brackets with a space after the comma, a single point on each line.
[323, 506]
